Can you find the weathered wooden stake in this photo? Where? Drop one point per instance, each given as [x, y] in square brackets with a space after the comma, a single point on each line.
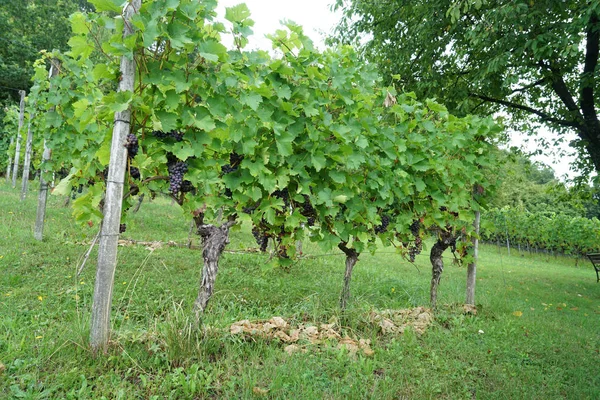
[27, 160]
[15, 166]
[113, 202]
[38, 230]
[472, 267]
[8, 166]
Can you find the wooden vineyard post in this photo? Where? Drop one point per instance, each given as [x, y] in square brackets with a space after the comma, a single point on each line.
[113, 202]
[15, 165]
[8, 166]
[472, 267]
[27, 160]
[38, 230]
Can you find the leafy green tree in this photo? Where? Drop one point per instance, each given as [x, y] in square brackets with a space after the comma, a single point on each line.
[536, 60]
[532, 187]
[28, 27]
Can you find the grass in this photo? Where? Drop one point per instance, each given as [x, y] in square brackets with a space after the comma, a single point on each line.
[535, 336]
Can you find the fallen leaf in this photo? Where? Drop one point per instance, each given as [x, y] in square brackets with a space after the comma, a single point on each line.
[291, 349]
[284, 337]
[470, 309]
[279, 322]
[518, 313]
[259, 391]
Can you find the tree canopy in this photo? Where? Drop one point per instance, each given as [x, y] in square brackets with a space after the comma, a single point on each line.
[532, 187]
[535, 60]
[28, 27]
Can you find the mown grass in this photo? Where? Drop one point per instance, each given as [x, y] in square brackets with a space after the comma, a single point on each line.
[536, 334]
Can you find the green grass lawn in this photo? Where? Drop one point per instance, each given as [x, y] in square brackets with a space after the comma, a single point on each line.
[536, 334]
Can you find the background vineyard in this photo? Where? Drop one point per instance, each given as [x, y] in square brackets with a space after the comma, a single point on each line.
[550, 232]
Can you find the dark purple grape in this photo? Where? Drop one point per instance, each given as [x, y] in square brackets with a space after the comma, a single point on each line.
[227, 168]
[122, 228]
[178, 136]
[284, 195]
[235, 159]
[132, 145]
[261, 238]
[415, 249]
[415, 227]
[176, 172]
[308, 211]
[383, 227]
[250, 209]
[134, 173]
[187, 186]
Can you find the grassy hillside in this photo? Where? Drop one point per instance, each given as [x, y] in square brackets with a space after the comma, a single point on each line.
[536, 334]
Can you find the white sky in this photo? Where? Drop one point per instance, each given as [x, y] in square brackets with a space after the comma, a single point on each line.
[313, 15]
[318, 21]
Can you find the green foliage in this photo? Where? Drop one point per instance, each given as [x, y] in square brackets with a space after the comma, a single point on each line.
[532, 187]
[535, 60]
[549, 231]
[10, 126]
[29, 27]
[310, 124]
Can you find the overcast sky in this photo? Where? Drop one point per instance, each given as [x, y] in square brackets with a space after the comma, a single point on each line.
[317, 19]
[314, 16]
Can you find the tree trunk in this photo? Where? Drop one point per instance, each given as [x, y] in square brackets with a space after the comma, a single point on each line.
[472, 267]
[351, 260]
[445, 239]
[15, 167]
[27, 160]
[113, 202]
[214, 240]
[38, 231]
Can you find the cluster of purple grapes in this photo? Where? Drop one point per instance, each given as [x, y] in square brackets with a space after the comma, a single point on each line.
[415, 249]
[262, 239]
[176, 172]
[122, 228]
[78, 190]
[234, 163]
[383, 227]
[187, 186]
[308, 211]
[251, 208]
[132, 145]
[134, 173]
[284, 195]
[178, 136]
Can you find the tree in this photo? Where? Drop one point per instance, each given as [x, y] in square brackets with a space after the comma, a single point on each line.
[29, 26]
[535, 60]
[532, 187]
